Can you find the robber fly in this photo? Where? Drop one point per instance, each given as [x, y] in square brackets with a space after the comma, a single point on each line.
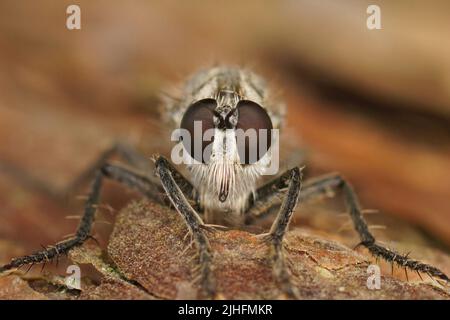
[223, 182]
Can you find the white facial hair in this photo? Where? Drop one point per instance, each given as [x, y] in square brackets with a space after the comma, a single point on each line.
[224, 176]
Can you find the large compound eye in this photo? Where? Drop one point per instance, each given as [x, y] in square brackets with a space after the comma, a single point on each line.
[198, 114]
[256, 130]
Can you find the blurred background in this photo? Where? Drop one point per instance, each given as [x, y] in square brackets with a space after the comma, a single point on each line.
[371, 104]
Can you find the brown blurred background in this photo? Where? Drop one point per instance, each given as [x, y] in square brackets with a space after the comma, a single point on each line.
[371, 104]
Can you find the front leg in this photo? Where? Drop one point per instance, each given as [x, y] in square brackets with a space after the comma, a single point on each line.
[268, 198]
[193, 221]
[323, 184]
[129, 178]
[279, 228]
[139, 163]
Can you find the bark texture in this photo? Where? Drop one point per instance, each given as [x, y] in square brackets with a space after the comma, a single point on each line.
[150, 255]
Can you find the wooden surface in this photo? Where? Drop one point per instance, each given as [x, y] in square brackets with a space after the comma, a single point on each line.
[149, 257]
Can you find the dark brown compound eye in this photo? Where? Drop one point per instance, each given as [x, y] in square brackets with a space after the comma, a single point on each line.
[199, 114]
[254, 138]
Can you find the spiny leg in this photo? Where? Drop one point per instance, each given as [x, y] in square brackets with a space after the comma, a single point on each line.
[127, 153]
[185, 186]
[279, 228]
[139, 163]
[193, 222]
[322, 185]
[125, 176]
[268, 199]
